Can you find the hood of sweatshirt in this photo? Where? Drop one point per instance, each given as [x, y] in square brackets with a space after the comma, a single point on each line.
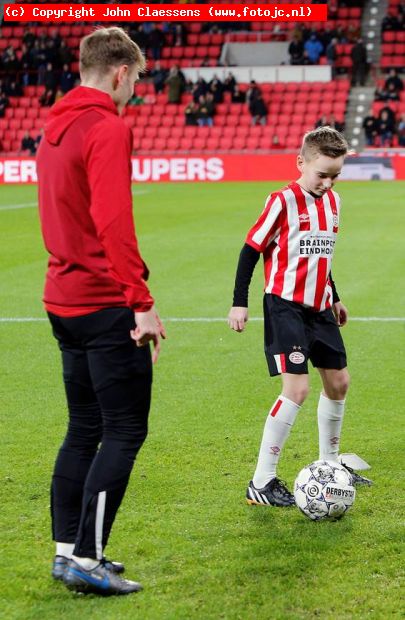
[75, 103]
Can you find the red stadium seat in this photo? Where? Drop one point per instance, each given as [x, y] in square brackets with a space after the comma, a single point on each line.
[212, 144]
[202, 51]
[167, 121]
[146, 144]
[227, 132]
[190, 131]
[151, 132]
[199, 143]
[160, 144]
[186, 144]
[239, 143]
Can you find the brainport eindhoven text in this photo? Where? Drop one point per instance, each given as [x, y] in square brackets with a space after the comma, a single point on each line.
[134, 12]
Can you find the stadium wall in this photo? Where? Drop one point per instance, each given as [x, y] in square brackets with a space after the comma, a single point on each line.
[218, 168]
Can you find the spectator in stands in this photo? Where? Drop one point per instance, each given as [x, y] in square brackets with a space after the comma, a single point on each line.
[238, 96]
[158, 76]
[336, 124]
[51, 52]
[10, 62]
[139, 36]
[296, 50]
[29, 38]
[156, 42]
[206, 110]
[175, 85]
[275, 142]
[390, 22]
[230, 82]
[41, 59]
[217, 89]
[385, 129]
[370, 129]
[352, 33]
[13, 89]
[191, 114]
[252, 92]
[4, 103]
[199, 88]
[180, 35]
[390, 113]
[67, 79]
[258, 110]
[314, 48]
[47, 98]
[28, 144]
[55, 38]
[325, 36]
[322, 122]
[394, 82]
[359, 63]
[64, 56]
[50, 81]
[384, 94]
[332, 55]
[401, 130]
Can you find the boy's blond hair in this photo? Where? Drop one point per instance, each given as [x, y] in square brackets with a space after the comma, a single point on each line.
[324, 141]
[109, 47]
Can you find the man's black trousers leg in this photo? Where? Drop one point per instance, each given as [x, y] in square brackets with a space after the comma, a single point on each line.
[120, 377]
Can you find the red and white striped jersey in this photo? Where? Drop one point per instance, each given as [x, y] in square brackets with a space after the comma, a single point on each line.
[296, 234]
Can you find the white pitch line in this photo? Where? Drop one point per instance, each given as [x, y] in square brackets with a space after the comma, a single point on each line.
[25, 205]
[202, 319]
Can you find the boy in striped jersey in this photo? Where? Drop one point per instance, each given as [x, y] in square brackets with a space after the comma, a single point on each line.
[296, 234]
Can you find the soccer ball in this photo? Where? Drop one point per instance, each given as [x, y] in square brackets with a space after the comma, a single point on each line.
[324, 490]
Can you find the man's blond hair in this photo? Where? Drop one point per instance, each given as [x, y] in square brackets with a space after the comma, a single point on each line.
[109, 47]
[324, 141]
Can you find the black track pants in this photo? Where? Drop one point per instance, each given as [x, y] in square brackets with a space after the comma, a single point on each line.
[108, 388]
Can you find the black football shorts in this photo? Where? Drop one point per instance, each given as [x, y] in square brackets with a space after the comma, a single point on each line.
[294, 334]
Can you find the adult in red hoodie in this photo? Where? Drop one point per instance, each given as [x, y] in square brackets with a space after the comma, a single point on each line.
[99, 305]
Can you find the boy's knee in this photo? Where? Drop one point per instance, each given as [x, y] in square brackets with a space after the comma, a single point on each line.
[339, 386]
[297, 394]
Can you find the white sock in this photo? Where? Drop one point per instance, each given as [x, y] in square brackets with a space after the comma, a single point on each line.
[276, 430]
[86, 563]
[65, 549]
[330, 419]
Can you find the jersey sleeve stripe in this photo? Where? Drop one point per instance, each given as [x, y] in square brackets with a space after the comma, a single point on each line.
[265, 227]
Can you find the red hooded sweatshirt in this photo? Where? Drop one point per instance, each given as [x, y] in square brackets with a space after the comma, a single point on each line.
[85, 205]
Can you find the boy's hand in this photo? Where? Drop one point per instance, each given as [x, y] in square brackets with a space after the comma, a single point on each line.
[237, 318]
[341, 313]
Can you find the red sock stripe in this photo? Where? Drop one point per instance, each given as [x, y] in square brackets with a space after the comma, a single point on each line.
[276, 407]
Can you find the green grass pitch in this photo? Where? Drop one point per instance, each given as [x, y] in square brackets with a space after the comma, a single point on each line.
[184, 529]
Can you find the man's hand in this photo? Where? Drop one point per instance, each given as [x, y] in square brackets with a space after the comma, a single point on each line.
[237, 318]
[149, 327]
[341, 313]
